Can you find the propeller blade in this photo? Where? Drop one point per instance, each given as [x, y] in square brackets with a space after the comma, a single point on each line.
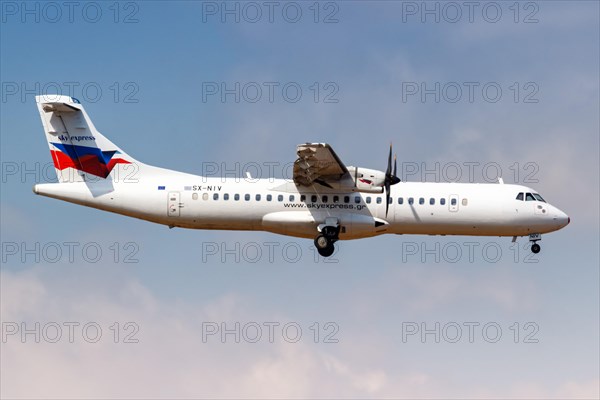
[388, 171]
[390, 179]
[387, 197]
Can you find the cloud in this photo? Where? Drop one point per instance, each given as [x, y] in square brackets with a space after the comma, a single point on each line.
[171, 360]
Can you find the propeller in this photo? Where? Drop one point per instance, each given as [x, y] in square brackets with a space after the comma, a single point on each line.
[390, 179]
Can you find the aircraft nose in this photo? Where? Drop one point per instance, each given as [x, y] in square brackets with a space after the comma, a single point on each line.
[561, 218]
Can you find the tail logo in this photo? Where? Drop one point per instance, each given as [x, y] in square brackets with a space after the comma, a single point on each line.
[91, 160]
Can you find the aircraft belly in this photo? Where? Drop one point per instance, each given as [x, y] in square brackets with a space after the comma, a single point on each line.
[474, 222]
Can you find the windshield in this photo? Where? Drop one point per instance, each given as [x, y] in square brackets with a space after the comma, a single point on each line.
[538, 197]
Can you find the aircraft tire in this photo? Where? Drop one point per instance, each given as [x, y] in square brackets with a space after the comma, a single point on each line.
[327, 251]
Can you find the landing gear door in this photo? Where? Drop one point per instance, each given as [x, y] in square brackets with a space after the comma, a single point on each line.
[173, 204]
[453, 203]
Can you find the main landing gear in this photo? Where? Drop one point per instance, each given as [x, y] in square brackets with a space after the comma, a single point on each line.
[325, 240]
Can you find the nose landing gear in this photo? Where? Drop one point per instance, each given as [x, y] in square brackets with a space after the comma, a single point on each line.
[533, 238]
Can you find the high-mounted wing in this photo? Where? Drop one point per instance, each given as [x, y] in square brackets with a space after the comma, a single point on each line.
[318, 163]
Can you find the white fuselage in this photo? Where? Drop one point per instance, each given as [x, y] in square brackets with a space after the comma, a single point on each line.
[184, 200]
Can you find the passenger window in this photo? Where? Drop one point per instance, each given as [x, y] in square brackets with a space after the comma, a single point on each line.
[302, 198]
[368, 199]
[292, 197]
[520, 196]
[313, 198]
[390, 200]
[324, 199]
[346, 199]
[226, 196]
[257, 197]
[411, 201]
[216, 196]
[269, 197]
[204, 196]
[378, 200]
[357, 199]
[400, 200]
[453, 202]
[529, 197]
[194, 196]
[442, 201]
[236, 197]
[421, 200]
[464, 202]
[247, 197]
[336, 199]
[432, 201]
[280, 197]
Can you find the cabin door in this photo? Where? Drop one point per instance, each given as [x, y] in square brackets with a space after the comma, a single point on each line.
[173, 204]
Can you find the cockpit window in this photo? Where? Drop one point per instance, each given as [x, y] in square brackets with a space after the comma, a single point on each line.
[538, 197]
[520, 196]
[529, 197]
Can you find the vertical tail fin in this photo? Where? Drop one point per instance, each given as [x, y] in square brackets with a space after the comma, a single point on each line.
[79, 151]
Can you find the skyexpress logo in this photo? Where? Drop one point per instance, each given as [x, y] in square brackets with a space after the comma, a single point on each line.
[91, 160]
[64, 138]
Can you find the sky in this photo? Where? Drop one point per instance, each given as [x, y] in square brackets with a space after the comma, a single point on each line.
[97, 305]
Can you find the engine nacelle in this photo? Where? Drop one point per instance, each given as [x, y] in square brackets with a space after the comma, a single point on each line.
[367, 180]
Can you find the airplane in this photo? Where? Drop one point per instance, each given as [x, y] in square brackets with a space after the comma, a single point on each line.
[325, 201]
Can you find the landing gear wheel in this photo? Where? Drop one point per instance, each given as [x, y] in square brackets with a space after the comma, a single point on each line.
[325, 240]
[324, 245]
[322, 242]
[535, 248]
[327, 251]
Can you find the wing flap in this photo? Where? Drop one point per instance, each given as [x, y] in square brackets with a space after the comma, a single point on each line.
[317, 161]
